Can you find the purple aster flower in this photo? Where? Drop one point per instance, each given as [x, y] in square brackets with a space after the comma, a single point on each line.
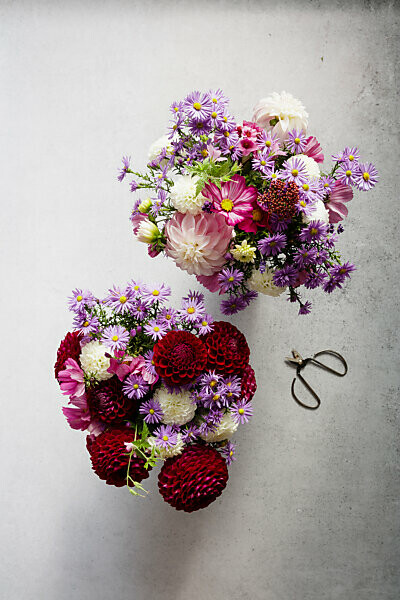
[176, 108]
[342, 271]
[149, 363]
[305, 308]
[304, 256]
[331, 284]
[152, 411]
[133, 185]
[366, 176]
[305, 206]
[192, 295]
[166, 436]
[140, 310]
[347, 172]
[115, 337]
[211, 422]
[268, 142]
[348, 154]
[229, 278]
[205, 324]
[215, 398]
[285, 276]
[315, 279]
[326, 184]
[340, 228]
[227, 140]
[155, 329]
[198, 128]
[198, 106]
[135, 288]
[228, 452]
[192, 310]
[80, 299]
[218, 99]
[233, 386]
[314, 232]
[233, 305]
[190, 433]
[168, 316]
[294, 170]
[125, 168]
[86, 323]
[226, 123]
[297, 141]
[241, 411]
[135, 386]
[209, 381]
[120, 299]
[155, 293]
[272, 245]
[234, 151]
[310, 190]
[321, 256]
[249, 296]
[264, 163]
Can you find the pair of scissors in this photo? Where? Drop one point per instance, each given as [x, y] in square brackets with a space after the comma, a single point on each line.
[299, 362]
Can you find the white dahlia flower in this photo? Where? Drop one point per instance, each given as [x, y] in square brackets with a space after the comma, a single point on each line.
[311, 167]
[225, 430]
[264, 283]
[171, 450]
[157, 146]
[184, 197]
[94, 362]
[281, 113]
[178, 408]
[319, 213]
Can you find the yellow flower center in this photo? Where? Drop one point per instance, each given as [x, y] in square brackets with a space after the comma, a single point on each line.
[273, 243]
[213, 383]
[191, 310]
[152, 362]
[348, 173]
[365, 176]
[214, 100]
[156, 329]
[135, 386]
[176, 108]
[231, 279]
[151, 411]
[273, 176]
[226, 133]
[297, 140]
[326, 184]
[225, 119]
[268, 143]
[295, 172]
[79, 298]
[197, 106]
[216, 397]
[302, 203]
[257, 214]
[230, 394]
[86, 324]
[231, 453]
[115, 338]
[241, 411]
[263, 162]
[123, 299]
[229, 383]
[204, 323]
[351, 157]
[165, 438]
[168, 317]
[306, 187]
[227, 204]
[214, 115]
[314, 231]
[136, 288]
[204, 153]
[155, 292]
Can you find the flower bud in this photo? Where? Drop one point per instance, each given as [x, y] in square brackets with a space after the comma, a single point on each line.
[147, 232]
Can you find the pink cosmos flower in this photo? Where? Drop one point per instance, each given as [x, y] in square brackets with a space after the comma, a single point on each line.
[71, 379]
[314, 150]
[248, 137]
[136, 219]
[234, 200]
[198, 243]
[340, 194]
[258, 218]
[79, 416]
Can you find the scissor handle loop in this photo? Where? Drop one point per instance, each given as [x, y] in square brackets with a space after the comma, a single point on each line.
[323, 366]
[314, 395]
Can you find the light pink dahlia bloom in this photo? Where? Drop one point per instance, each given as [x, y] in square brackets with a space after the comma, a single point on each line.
[198, 243]
[234, 200]
[337, 210]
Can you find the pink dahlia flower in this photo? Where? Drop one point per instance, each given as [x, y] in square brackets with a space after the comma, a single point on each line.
[71, 379]
[210, 282]
[234, 200]
[198, 243]
[314, 150]
[340, 194]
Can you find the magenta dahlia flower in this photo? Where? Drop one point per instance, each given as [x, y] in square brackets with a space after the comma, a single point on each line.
[234, 200]
[198, 243]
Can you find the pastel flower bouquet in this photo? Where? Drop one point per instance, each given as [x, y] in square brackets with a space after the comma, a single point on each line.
[245, 207]
[151, 383]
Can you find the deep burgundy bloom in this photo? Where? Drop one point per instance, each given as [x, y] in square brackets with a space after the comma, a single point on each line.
[193, 479]
[70, 347]
[227, 349]
[108, 402]
[179, 357]
[249, 385]
[110, 458]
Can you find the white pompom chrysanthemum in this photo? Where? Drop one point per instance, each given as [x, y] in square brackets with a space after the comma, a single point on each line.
[281, 113]
[184, 197]
[264, 283]
[94, 362]
[157, 146]
[225, 430]
[178, 408]
[319, 213]
[311, 167]
[170, 451]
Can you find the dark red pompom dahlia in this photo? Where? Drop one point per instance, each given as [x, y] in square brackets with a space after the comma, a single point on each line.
[107, 401]
[110, 458]
[249, 384]
[227, 349]
[179, 357]
[70, 347]
[193, 479]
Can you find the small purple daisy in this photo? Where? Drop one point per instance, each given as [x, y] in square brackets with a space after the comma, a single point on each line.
[115, 337]
[241, 411]
[135, 386]
[272, 245]
[152, 411]
[166, 436]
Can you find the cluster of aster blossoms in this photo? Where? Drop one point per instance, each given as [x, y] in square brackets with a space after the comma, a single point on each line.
[153, 383]
[245, 207]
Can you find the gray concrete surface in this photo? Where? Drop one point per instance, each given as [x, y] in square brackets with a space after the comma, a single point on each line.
[311, 509]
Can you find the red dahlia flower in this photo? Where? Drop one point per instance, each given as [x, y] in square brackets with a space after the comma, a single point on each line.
[249, 384]
[193, 479]
[179, 357]
[70, 347]
[227, 349]
[110, 458]
[107, 401]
